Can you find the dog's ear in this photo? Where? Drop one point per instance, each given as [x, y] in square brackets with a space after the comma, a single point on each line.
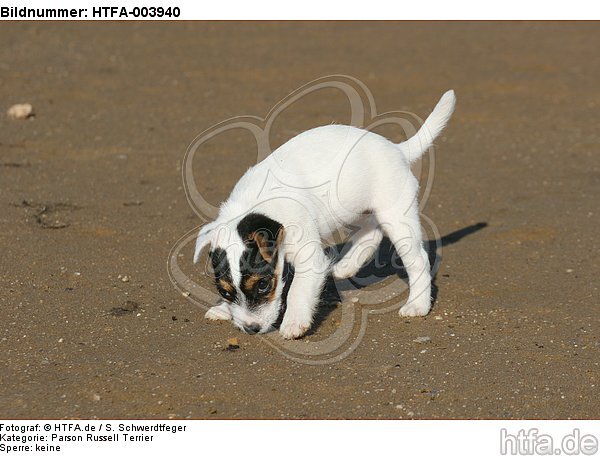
[205, 236]
[268, 243]
[264, 232]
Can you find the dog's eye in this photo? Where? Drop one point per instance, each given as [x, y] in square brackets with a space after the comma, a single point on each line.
[227, 295]
[263, 285]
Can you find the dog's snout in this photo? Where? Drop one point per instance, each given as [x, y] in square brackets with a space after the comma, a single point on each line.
[252, 329]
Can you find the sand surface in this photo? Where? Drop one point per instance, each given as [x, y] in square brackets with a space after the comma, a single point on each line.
[91, 189]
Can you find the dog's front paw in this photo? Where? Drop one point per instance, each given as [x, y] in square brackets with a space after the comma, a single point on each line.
[220, 312]
[417, 308]
[293, 328]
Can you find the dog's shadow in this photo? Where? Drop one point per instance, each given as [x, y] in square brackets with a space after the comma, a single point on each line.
[385, 263]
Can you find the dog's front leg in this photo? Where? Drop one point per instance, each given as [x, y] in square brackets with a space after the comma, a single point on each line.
[219, 312]
[310, 272]
[302, 302]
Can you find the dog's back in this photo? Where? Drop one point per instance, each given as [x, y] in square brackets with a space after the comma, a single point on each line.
[345, 168]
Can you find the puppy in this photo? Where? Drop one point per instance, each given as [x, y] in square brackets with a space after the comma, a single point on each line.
[285, 207]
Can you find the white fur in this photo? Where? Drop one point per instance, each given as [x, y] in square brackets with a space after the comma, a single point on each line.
[219, 312]
[317, 183]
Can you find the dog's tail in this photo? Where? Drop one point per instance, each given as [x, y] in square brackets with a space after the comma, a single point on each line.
[414, 147]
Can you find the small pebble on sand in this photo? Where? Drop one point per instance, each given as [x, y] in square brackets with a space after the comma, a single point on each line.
[233, 343]
[20, 111]
[422, 339]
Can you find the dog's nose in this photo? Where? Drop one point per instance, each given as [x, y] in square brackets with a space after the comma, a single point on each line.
[252, 329]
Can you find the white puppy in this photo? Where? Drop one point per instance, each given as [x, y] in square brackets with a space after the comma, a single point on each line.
[283, 209]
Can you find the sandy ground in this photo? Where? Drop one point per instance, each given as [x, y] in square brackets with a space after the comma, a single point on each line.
[91, 189]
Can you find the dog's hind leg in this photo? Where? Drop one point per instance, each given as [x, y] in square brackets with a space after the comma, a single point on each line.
[364, 245]
[404, 230]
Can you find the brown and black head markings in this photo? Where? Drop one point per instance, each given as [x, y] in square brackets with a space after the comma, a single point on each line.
[222, 271]
[259, 268]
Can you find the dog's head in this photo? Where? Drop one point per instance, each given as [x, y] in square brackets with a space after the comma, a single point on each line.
[247, 260]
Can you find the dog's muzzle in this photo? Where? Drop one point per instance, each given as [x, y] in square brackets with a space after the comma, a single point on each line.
[252, 329]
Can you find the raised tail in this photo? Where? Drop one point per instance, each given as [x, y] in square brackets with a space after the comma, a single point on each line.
[414, 147]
